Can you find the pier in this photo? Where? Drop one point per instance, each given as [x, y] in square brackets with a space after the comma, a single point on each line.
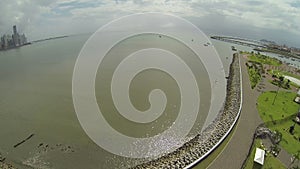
[240, 41]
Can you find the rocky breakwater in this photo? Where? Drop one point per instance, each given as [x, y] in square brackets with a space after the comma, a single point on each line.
[205, 142]
[4, 164]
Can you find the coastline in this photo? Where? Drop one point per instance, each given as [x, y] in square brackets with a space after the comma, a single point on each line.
[118, 162]
[277, 52]
[15, 47]
[36, 41]
[4, 164]
[204, 143]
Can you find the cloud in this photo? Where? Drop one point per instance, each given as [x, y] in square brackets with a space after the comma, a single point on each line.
[39, 18]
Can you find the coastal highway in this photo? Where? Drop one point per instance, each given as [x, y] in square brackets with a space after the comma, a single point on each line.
[236, 150]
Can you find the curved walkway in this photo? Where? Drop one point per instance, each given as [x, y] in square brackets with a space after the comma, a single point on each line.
[235, 152]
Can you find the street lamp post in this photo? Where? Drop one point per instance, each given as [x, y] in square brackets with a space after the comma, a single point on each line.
[281, 78]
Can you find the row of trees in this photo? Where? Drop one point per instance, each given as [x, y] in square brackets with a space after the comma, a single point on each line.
[255, 71]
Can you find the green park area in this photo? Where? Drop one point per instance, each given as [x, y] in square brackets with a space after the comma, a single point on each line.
[278, 73]
[283, 73]
[269, 162]
[263, 59]
[277, 109]
[255, 66]
[278, 115]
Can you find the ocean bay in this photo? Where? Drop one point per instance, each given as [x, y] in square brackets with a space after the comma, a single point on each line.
[36, 92]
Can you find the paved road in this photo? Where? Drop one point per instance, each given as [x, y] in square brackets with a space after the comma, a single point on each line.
[236, 151]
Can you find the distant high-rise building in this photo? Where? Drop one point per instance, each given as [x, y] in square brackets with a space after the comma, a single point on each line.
[6, 41]
[15, 29]
[23, 39]
[16, 36]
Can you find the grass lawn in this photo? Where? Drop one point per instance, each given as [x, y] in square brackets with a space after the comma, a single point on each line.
[264, 59]
[295, 85]
[272, 162]
[283, 108]
[269, 162]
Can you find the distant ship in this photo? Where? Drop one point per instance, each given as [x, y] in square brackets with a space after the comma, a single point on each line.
[233, 48]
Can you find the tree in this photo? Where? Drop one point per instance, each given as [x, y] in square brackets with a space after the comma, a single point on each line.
[277, 136]
[281, 78]
[288, 84]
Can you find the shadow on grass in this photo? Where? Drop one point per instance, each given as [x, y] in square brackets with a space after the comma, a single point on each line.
[256, 166]
[284, 140]
[272, 119]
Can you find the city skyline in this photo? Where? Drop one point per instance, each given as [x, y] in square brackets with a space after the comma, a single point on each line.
[8, 41]
[273, 20]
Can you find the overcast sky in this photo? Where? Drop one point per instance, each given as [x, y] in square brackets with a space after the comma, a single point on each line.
[277, 20]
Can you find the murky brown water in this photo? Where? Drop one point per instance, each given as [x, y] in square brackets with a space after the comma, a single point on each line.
[36, 98]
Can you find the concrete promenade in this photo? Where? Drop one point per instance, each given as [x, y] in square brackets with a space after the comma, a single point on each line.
[236, 151]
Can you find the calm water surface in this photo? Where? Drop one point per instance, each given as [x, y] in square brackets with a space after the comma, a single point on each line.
[36, 98]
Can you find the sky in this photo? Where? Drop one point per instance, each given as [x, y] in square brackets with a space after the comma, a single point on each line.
[276, 20]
